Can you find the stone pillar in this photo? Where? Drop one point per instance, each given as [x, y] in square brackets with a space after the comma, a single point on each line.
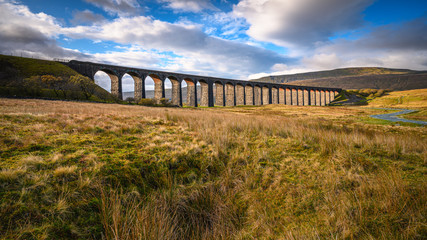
[313, 97]
[318, 97]
[282, 96]
[158, 88]
[275, 96]
[116, 86]
[204, 97]
[265, 96]
[288, 96]
[257, 95]
[300, 97]
[306, 97]
[138, 88]
[322, 98]
[176, 92]
[240, 95]
[331, 96]
[219, 94]
[295, 97]
[229, 95]
[249, 95]
[191, 93]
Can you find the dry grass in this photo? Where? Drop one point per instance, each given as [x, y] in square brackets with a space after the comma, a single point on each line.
[402, 99]
[273, 172]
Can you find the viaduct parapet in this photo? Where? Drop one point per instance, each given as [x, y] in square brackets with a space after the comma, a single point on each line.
[213, 91]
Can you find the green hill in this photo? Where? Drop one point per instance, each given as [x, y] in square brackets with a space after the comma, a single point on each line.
[356, 78]
[16, 72]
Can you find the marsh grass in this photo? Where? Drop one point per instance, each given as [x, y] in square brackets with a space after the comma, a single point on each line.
[273, 172]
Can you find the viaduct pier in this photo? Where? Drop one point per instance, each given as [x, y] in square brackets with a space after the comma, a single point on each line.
[213, 91]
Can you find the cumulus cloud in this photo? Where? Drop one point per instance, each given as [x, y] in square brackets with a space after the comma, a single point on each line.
[118, 7]
[299, 22]
[401, 45]
[24, 32]
[189, 5]
[395, 45]
[231, 58]
[86, 17]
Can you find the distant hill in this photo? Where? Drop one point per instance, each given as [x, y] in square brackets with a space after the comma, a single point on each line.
[356, 78]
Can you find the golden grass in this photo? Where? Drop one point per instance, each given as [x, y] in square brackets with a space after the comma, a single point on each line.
[272, 172]
[402, 99]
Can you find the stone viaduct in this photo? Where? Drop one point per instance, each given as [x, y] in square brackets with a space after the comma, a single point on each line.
[213, 91]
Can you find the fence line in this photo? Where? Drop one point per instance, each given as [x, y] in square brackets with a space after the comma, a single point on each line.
[26, 55]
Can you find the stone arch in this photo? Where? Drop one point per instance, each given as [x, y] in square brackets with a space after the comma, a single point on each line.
[115, 82]
[137, 85]
[175, 91]
[159, 90]
[191, 92]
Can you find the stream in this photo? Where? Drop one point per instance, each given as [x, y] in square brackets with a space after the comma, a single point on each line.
[394, 116]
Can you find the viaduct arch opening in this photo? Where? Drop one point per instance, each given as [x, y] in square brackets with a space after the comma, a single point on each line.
[103, 80]
[128, 87]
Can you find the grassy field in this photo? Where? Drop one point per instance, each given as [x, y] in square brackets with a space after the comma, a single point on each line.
[84, 170]
[410, 99]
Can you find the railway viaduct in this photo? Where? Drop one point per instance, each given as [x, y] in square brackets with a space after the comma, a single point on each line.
[213, 91]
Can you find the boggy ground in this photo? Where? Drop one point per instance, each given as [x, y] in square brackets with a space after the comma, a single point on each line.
[107, 171]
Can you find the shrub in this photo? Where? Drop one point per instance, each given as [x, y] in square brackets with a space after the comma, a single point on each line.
[147, 102]
[86, 85]
[130, 100]
[165, 102]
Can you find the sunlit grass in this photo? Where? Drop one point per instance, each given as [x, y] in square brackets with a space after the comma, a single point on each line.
[84, 170]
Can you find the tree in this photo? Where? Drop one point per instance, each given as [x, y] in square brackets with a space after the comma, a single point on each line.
[33, 85]
[86, 85]
[57, 84]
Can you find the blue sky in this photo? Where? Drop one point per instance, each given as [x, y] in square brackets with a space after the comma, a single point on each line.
[239, 39]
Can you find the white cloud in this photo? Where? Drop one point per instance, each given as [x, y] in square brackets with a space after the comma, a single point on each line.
[189, 5]
[31, 34]
[299, 22]
[118, 7]
[200, 51]
[86, 17]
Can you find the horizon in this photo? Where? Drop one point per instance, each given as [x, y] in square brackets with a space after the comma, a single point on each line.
[238, 39]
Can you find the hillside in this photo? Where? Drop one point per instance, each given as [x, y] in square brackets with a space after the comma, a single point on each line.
[22, 77]
[356, 78]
